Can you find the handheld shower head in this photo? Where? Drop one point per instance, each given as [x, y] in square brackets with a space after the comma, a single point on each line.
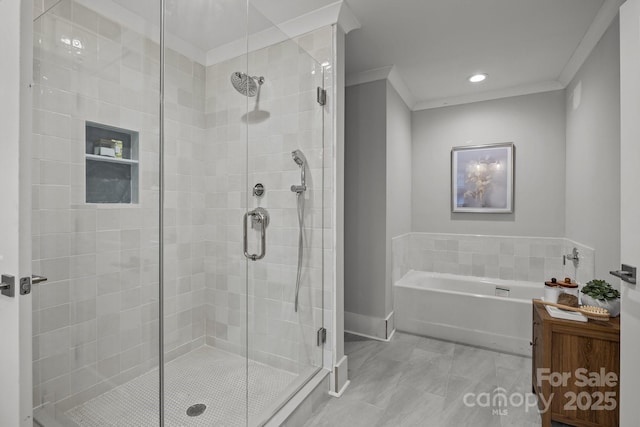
[301, 160]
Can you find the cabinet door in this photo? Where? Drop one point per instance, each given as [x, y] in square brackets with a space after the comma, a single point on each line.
[578, 401]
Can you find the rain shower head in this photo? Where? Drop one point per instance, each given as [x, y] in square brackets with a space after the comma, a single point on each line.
[246, 84]
[299, 157]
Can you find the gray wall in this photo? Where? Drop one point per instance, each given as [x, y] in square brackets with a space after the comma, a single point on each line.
[398, 177]
[593, 153]
[377, 193]
[535, 123]
[365, 198]
[566, 181]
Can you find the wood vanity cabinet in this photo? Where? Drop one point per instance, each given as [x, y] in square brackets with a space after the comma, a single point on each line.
[564, 346]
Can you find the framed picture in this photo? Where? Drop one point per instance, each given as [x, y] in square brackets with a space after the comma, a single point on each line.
[482, 178]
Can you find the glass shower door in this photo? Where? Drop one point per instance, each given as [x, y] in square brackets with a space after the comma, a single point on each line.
[284, 222]
[237, 345]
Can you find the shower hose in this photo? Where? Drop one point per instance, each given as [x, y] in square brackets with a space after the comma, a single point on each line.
[300, 206]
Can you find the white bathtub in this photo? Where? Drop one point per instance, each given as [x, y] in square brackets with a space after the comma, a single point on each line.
[466, 309]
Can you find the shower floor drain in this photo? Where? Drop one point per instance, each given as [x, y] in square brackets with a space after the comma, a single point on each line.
[196, 409]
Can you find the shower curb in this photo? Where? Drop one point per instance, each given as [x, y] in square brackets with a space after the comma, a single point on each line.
[301, 406]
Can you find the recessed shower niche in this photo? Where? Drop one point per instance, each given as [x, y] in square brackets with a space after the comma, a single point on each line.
[111, 164]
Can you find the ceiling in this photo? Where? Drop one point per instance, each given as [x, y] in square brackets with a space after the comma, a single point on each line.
[431, 46]
[209, 24]
[435, 45]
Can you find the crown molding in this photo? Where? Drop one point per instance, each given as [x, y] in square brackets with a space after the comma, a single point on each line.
[334, 13]
[368, 76]
[236, 48]
[605, 16]
[547, 86]
[347, 20]
[324, 16]
[389, 73]
[603, 19]
[401, 87]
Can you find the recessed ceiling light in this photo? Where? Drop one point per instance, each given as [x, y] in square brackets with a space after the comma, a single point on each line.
[477, 78]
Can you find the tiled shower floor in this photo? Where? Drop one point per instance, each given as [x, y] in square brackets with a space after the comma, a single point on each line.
[206, 375]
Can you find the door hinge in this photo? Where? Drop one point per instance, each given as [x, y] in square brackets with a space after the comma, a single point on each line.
[321, 96]
[322, 336]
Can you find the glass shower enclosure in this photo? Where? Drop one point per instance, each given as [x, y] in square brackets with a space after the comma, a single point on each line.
[178, 205]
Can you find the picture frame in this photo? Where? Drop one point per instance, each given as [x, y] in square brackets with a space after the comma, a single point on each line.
[482, 178]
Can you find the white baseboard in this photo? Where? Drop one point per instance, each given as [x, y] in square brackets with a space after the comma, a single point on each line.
[371, 336]
[391, 335]
[339, 377]
[370, 326]
[389, 325]
[341, 391]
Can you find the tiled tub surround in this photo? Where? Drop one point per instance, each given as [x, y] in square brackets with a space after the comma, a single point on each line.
[446, 271]
[96, 320]
[533, 259]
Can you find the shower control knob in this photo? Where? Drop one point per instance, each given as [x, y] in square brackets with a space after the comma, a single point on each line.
[258, 190]
[259, 218]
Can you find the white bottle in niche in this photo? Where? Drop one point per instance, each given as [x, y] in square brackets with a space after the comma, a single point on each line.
[104, 151]
[105, 147]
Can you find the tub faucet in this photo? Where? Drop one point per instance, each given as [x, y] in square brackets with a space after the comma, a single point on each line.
[573, 256]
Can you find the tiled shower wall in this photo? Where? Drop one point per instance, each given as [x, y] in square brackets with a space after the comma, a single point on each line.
[184, 210]
[96, 320]
[504, 257]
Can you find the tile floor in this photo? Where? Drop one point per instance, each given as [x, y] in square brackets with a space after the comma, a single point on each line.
[206, 375]
[420, 382]
[409, 382]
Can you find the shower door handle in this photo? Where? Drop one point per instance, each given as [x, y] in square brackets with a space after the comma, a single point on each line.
[260, 217]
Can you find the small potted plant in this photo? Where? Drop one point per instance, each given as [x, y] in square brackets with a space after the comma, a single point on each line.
[599, 293]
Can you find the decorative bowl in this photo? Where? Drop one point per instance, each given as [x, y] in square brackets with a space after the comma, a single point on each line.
[613, 305]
